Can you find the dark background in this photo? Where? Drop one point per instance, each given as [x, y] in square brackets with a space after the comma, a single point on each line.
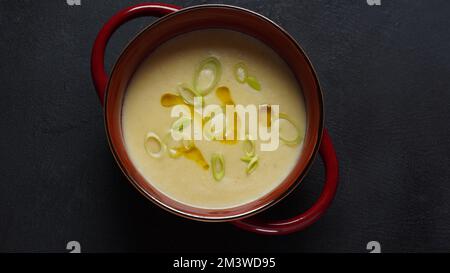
[385, 73]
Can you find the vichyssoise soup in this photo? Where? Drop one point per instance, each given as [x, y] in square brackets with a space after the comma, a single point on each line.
[199, 70]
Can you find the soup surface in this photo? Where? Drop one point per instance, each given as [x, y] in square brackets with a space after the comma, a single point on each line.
[191, 178]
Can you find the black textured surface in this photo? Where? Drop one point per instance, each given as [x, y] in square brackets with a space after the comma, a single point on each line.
[385, 73]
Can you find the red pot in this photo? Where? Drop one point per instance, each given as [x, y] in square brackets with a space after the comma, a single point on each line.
[176, 21]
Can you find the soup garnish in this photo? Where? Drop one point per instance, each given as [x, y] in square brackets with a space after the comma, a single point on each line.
[169, 100]
[207, 75]
[224, 95]
[187, 94]
[218, 166]
[153, 145]
[249, 147]
[196, 155]
[251, 158]
[254, 83]
[211, 68]
[294, 136]
[252, 165]
[241, 75]
[175, 148]
[181, 124]
[240, 72]
[266, 111]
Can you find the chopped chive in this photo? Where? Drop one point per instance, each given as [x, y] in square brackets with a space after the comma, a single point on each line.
[153, 145]
[240, 72]
[207, 76]
[254, 83]
[218, 166]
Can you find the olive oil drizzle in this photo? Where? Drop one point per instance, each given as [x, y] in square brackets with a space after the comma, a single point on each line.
[169, 100]
[191, 153]
[194, 154]
[224, 95]
[268, 114]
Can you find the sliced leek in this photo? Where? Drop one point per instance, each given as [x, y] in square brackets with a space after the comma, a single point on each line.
[187, 94]
[252, 165]
[251, 158]
[241, 75]
[185, 148]
[218, 166]
[240, 72]
[207, 76]
[181, 124]
[249, 147]
[214, 128]
[253, 83]
[247, 158]
[291, 141]
[153, 145]
[174, 148]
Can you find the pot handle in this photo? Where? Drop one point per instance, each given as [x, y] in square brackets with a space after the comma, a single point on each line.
[98, 73]
[304, 220]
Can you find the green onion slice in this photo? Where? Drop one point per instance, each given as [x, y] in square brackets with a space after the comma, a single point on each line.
[175, 148]
[291, 140]
[240, 72]
[218, 166]
[187, 94]
[252, 165]
[247, 158]
[249, 147]
[181, 124]
[210, 131]
[153, 145]
[207, 75]
[254, 83]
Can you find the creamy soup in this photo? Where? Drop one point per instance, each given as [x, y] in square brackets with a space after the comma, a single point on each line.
[211, 174]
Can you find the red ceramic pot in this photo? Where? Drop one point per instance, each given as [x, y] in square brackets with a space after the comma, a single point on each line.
[176, 21]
